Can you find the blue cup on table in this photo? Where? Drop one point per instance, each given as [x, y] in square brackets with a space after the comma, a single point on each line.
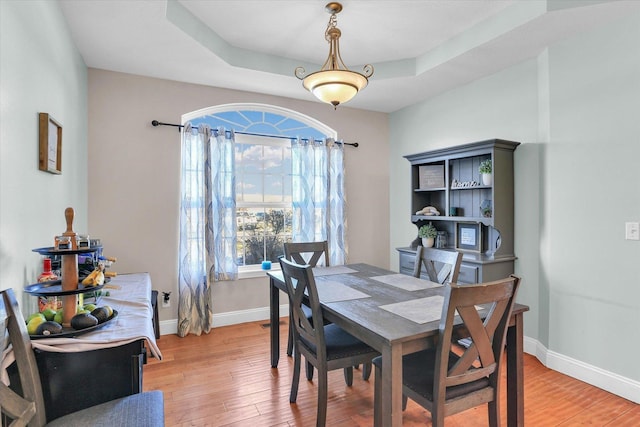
[266, 265]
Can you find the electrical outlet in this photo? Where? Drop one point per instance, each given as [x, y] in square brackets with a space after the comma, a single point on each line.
[166, 302]
[632, 231]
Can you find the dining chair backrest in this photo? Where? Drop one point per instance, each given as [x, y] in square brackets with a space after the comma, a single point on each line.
[307, 253]
[27, 407]
[482, 358]
[302, 290]
[441, 265]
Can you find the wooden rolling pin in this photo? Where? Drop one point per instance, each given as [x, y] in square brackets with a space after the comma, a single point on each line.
[69, 272]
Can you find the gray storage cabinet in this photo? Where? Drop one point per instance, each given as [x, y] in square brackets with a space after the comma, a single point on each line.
[477, 217]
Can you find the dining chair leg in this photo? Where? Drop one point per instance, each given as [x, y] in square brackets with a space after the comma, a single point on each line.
[321, 418]
[296, 378]
[437, 416]
[309, 370]
[366, 371]
[290, 335]
[348, 376]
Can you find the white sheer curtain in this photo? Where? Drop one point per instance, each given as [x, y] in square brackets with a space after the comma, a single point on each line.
[318, 195]
[207, 223]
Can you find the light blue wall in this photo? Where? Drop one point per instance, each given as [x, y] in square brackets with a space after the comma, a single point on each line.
[41, 71]
[592, 188]
[576, 110]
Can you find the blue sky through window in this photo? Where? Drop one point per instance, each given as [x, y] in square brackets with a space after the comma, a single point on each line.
[260, 122]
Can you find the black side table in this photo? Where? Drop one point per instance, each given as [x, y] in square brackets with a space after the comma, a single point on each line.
[155, 320]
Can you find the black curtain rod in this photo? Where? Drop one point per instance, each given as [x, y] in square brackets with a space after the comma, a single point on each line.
[157, 123]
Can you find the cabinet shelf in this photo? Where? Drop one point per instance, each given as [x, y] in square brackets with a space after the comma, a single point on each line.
[477, 219]
[477, 187]
[424, 190]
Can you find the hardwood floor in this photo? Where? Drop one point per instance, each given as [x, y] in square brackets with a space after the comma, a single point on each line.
[225, 379]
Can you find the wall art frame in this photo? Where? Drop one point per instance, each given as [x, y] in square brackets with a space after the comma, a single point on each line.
[50, 144]
[469, 236]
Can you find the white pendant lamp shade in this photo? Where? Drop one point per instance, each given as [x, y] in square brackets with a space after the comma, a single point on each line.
[335, 87]
[334, 83]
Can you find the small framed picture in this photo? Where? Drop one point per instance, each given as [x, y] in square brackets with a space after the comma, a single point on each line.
[469, 236]
[50, 152]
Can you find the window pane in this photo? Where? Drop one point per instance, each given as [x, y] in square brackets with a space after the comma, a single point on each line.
[272, 159]
[252, 188]
[248, 158]
[278, 231]
[274, 188]
[251, 236]
[262, 233]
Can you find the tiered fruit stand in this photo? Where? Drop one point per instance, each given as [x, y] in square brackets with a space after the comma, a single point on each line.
[69, 287]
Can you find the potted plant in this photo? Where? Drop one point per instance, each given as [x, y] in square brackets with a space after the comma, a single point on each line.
[428, 234]
[485, 170]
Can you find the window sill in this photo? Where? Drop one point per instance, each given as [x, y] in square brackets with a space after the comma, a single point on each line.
[254, 273]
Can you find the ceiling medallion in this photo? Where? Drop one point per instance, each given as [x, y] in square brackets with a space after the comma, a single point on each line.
[334, 83]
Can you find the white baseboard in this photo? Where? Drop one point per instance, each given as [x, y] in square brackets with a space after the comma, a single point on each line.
[609, 381]
[243, 316]
[168, 327]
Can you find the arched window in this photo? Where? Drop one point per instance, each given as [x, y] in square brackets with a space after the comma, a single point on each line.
[261, 119]
[263, 136]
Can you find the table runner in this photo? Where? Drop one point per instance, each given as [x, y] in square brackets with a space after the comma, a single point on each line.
[336, 269]
[408, 283]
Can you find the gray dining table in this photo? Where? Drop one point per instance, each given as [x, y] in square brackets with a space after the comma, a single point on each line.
[396, 314]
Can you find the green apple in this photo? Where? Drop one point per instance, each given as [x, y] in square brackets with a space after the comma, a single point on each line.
[58, 317]
[49, 313]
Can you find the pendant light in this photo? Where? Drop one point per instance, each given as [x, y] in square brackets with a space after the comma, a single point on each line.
[334, 83]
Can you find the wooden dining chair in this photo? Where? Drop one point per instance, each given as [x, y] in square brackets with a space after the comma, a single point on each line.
[304, 253]
[441, 265]
[327, 347]
[310, 253]
[22, 402]
[449, 379]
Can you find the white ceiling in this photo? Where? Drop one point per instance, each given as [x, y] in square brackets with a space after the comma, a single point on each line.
[418, 48]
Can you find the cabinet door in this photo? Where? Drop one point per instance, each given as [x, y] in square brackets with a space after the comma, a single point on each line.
[407, 261]
[468, 273]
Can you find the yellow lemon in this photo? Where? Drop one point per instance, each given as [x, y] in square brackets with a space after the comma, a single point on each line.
[33, 324]
[34, 315]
